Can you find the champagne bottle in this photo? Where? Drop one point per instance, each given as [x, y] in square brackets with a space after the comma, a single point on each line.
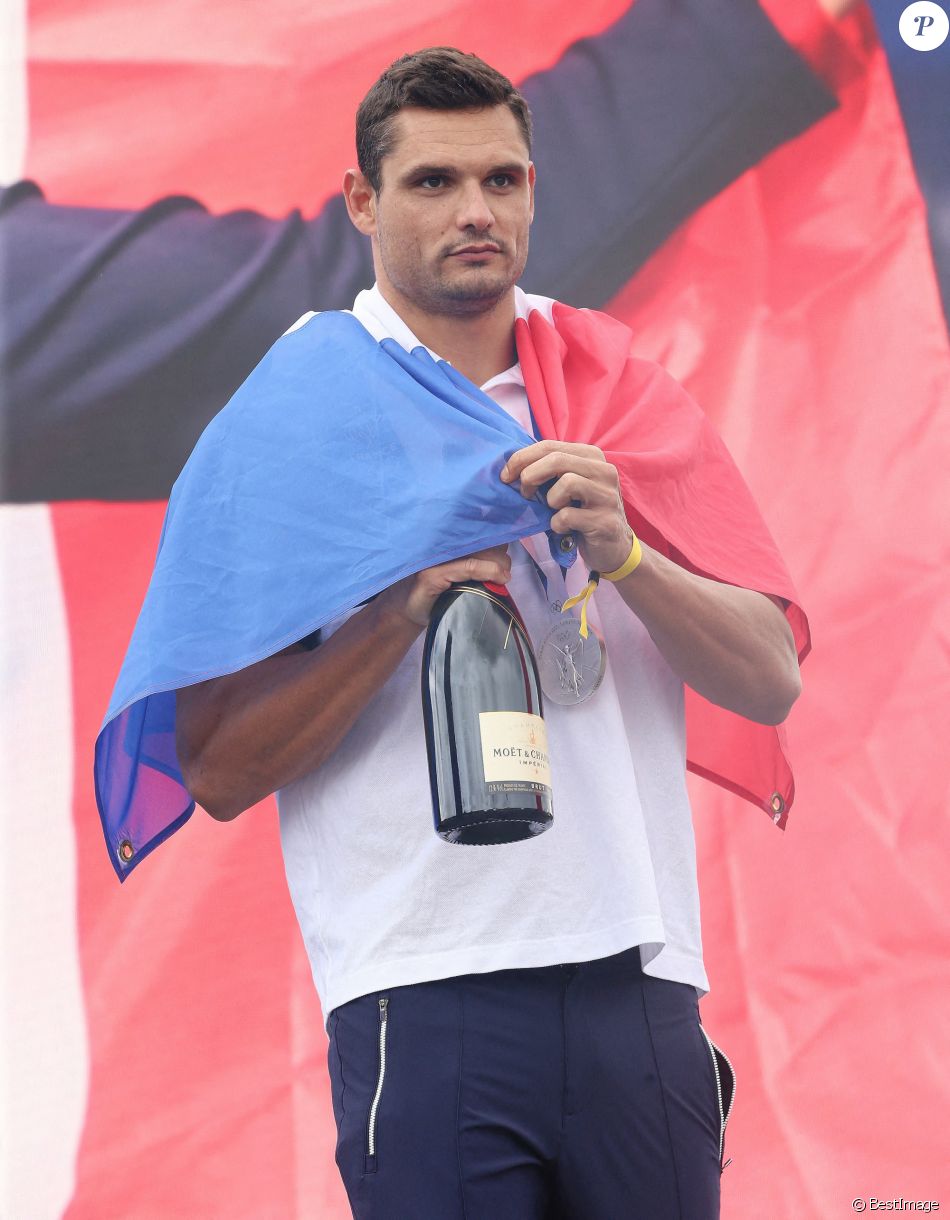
[481, 700]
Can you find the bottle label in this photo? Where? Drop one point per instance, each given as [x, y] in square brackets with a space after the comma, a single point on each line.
[515, 752]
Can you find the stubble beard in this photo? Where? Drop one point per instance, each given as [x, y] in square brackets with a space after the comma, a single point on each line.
[478, 290]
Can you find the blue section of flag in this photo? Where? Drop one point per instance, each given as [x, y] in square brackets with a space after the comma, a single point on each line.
[340, 466]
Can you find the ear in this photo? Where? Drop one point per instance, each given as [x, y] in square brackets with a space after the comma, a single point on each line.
[531, 177]
[360, 201]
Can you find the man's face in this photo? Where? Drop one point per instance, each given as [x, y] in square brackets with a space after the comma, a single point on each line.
[454, 208]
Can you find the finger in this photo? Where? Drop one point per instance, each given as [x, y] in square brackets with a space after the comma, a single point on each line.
[499, 552]
[522, 457]
[569, 520]
[604, 540]
[496, 557]
[580, 492]
[590, 523]
[474, 567]
[555, 465]
[531, 453]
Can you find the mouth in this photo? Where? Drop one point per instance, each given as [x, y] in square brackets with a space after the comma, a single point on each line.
[475, 251]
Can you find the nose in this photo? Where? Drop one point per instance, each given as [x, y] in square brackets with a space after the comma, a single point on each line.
[474, 211]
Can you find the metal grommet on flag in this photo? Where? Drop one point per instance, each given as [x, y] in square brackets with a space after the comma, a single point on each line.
[778, 804]
[126, 851]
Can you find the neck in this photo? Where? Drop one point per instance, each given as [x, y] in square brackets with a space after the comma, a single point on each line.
[479, 345]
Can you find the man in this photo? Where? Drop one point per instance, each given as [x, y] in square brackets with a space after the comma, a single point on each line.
[513, 1029]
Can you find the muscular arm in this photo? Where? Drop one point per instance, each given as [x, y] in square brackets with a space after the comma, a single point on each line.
[242, 736]
[734, 646]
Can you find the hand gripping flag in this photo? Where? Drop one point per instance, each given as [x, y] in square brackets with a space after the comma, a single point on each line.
[343, 464]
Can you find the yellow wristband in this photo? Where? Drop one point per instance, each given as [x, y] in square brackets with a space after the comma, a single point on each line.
[632, 562]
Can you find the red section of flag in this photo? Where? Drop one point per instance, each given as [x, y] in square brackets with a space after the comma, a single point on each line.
[683, 494]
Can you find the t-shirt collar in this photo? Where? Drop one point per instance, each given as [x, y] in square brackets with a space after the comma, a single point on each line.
[381, 320]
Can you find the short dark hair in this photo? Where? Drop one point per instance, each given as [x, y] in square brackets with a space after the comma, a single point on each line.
[437, 78]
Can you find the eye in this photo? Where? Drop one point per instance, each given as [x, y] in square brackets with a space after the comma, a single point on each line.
[500, 181]
[431, 182]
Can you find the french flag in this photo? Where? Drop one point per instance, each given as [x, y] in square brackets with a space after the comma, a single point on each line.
[282, 519]
[758, 193]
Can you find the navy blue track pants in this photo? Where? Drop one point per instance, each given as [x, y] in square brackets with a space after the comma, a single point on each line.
[586, 1091]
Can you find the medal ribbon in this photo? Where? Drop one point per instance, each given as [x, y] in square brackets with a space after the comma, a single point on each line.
[581, 599]
[593, 580]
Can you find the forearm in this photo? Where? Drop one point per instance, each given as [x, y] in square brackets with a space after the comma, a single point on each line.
[731, 645]
[242, 736]
[247, 734]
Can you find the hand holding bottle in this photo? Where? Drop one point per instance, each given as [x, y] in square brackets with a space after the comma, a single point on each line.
[413, 597]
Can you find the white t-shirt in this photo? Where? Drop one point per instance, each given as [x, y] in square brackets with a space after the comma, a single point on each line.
[382, 901]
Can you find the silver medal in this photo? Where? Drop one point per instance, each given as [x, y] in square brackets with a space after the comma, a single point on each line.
[571, 668]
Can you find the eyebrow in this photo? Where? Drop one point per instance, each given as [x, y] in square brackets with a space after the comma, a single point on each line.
[448, 171]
